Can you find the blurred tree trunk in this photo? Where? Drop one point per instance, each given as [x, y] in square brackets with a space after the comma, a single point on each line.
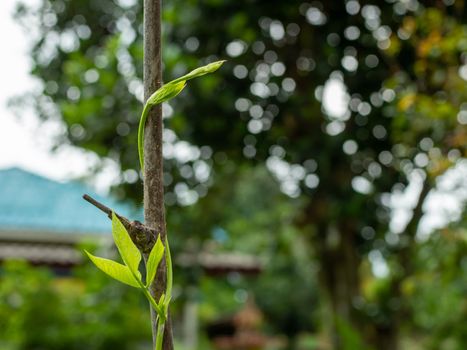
[340, 265]
[386, 337]
[340, 262]
[339, 275]
[154, 211]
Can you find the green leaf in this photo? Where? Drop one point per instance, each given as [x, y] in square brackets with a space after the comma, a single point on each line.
[168, 261]
[166, 305]
[130, 254]
[163, 305]
[154, 259]
[166, 92]
[161, 300]
[209, 68]
[162, 94]
[115, 270]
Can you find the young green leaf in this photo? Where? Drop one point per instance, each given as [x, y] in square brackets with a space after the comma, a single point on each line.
[130, 254]
[115, 270]
[166, 305]
[164, 93]
[209, 68]
[154, 259]
[163, 307]
[161, 300]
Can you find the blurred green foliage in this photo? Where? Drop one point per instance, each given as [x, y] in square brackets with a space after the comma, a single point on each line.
[82, 311]
[437, 291]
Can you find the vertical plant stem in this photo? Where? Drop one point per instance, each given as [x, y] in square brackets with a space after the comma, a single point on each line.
[160, 331]
[154, 212]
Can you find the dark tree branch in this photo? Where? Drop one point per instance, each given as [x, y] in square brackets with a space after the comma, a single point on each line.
[98, 205]
[412, 226]
[406, 253]
[410, 231]
[141, 235]
[154, 211]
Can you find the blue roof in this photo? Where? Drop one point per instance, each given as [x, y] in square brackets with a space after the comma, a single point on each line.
[29, 202]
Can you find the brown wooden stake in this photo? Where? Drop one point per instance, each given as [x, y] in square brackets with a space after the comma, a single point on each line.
[154, 212]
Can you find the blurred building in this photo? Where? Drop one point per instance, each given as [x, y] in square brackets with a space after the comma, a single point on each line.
[42, 220]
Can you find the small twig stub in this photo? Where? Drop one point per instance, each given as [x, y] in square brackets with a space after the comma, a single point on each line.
[142, 235]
